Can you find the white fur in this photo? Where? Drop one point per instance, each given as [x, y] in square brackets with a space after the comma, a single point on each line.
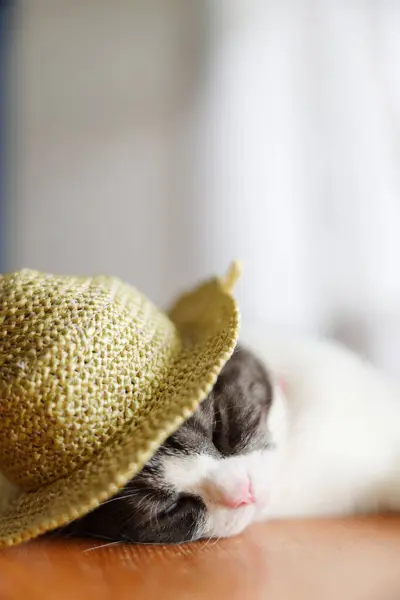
[216, 479]
[337, 435]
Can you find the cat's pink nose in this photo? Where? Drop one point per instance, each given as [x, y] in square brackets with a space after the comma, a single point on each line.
[241, 495]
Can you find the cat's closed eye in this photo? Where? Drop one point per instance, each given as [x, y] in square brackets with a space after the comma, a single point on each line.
[185, 504]
[171, 508]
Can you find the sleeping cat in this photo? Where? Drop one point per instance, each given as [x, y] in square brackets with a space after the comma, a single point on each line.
[290, 429]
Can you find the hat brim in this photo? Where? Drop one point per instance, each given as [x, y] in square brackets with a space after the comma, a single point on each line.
[208, 322]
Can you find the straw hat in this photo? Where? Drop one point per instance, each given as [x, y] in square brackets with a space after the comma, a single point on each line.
[93, 379]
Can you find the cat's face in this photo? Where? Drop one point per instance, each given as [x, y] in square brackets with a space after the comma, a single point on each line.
[210, 478]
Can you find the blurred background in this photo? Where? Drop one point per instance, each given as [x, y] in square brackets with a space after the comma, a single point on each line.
[158, 140]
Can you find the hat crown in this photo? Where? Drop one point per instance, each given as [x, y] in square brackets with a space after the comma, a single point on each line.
[79, 357]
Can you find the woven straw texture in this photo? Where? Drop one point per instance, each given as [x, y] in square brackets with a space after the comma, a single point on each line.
[93, 378]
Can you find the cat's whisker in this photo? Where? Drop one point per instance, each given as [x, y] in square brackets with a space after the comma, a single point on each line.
[216, 540]
[129, 540]
[143, 500]
[101, 546]
[122, 497]
[137, 489]
[208, 541]
[154, 514]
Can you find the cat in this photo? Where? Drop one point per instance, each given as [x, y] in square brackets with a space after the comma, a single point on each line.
[291, 429]
[191, 487]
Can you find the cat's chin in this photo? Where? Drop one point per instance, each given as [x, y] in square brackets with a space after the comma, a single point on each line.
[230, 522]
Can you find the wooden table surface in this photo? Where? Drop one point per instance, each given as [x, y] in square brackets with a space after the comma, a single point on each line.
[313, 560]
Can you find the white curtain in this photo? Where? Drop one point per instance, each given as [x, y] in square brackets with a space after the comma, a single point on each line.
[269, 131]
[301, 141]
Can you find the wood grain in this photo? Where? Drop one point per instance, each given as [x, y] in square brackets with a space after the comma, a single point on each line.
[317, 560]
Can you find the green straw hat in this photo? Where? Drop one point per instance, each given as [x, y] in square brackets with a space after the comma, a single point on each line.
[93, 379]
